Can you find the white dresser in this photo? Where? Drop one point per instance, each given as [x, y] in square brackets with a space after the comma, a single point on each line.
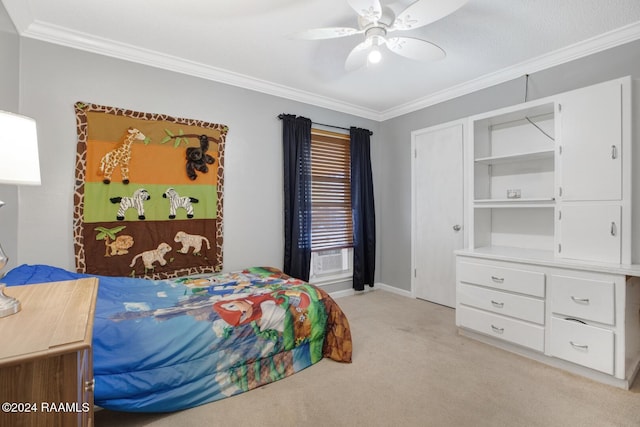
[547, 270]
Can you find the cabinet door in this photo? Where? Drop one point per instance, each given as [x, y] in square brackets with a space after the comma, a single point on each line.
[590, 232]
[591, 143]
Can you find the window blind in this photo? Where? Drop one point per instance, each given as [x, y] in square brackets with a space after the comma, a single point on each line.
[331, 221]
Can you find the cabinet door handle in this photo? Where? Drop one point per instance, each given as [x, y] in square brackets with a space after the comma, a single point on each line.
[579, 346]
[497, 304]
[497, 330]
[614, 152]
[90, 385]
[497, 279]
[613, 229]
[580, 300]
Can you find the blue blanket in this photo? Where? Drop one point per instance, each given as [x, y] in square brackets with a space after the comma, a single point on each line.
[166, 345]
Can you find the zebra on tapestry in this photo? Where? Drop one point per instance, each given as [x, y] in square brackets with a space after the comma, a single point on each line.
[176, 201]
[136, 201]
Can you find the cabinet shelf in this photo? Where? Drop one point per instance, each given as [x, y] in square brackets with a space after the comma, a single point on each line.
[518, 157]
[515, 203]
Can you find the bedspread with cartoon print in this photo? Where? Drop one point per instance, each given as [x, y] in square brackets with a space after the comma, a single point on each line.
[167, 345]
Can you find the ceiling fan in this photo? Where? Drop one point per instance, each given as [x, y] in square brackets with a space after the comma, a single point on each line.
[376, 22]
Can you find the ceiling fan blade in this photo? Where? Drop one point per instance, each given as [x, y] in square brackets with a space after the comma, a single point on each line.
[371, 10]
[358, 56]
[325, 33]
[424, 12]
[417, 49]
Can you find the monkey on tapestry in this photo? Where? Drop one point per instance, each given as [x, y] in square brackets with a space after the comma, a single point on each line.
[198, 158]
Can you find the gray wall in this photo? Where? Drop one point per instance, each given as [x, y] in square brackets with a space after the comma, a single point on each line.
[9, 81]
[53, 78]
[395, 173]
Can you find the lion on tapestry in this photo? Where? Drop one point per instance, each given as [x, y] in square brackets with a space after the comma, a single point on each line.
[190, 241]
[152, 256]
[120, 246]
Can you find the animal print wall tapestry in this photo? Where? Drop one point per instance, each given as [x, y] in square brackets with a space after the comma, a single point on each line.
[148, 193]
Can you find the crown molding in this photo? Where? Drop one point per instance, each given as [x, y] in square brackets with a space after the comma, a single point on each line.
[20, 14]
[50, 33]
[78, 40]
[578, 50]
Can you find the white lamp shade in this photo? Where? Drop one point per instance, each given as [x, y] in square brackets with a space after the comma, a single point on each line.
[19, 161]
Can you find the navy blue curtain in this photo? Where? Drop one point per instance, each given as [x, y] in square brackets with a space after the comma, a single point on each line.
[364, 215]
[296, 140]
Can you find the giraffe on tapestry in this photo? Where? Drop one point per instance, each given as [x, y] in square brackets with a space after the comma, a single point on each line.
[120, 156]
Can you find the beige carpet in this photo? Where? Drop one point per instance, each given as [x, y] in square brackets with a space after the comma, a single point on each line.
[411, 368]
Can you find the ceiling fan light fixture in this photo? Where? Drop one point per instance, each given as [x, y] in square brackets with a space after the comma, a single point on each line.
[376, 37]
[376, 21]
[374, 55]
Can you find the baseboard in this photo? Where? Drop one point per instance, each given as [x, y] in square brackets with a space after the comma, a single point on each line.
[394, 290]
[376, 286]
[343, 293]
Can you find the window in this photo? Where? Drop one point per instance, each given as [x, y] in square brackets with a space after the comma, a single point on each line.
[331, 222]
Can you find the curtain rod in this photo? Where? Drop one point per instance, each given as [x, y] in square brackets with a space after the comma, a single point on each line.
[331, 126]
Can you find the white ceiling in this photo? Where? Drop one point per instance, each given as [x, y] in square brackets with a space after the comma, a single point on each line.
[247, 43]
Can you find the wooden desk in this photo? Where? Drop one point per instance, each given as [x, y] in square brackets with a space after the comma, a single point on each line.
[46, 365]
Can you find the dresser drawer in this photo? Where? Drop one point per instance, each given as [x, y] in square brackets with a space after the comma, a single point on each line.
[499, 277]
[582, 344]
[519, 306]
[583, 298]
[512, 330]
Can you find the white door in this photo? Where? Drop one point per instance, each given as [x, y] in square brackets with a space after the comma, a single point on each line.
[591, 129]
[437, 211]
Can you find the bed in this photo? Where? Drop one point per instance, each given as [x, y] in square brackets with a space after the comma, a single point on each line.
[170, 344]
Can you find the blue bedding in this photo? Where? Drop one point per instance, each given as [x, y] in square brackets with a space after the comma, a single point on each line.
[167, 345]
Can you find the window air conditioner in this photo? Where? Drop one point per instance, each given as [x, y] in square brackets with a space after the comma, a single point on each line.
[331, 263]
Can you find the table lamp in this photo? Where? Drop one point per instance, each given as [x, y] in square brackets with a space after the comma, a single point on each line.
[19, 165]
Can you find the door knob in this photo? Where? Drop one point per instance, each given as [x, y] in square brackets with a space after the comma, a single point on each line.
[456, 227]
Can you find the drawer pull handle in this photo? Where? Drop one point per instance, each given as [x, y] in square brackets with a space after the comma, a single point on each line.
[497, 330]
[497, 279]
[579, 346]
[497, 304]
[90, 385]
[580, 300]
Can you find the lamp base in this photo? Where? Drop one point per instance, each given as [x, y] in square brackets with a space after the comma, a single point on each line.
[8, 305]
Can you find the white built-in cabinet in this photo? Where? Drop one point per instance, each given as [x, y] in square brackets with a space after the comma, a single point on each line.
[594, 181]
[547, 271]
